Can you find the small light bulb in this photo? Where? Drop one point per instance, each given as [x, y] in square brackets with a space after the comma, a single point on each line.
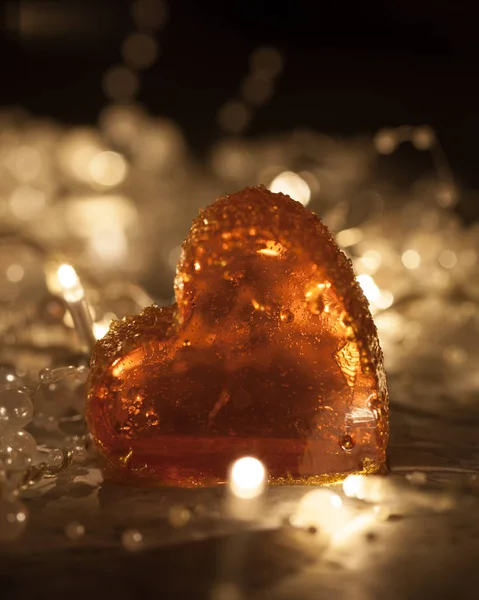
[247, 478]
[69, 282]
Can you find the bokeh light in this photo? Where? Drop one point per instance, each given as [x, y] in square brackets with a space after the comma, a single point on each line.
[234, 116]
[120, 83]
[140, 50]
[292, 185]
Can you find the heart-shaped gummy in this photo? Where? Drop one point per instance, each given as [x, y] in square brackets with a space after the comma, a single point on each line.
[270, 351]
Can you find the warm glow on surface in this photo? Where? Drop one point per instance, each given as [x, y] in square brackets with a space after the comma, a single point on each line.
[292, 185]
[268, 252]
[272, 248]
[353, 486]
[369, 488]
[247, 478]
[322, 509]
[129, 362]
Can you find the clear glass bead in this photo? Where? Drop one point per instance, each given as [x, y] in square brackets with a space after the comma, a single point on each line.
[45, 375]
[80, 453]
[62, 373]
[82, 373]
[52, 457]
[16, 409]
[8, 378]
[18, 449]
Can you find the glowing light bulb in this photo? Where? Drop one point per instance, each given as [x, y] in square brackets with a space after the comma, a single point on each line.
[247, 478]
[69, 282]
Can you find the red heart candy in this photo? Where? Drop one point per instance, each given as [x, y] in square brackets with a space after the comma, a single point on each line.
[270, 351]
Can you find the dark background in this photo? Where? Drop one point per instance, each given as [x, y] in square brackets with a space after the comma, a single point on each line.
[350, 67]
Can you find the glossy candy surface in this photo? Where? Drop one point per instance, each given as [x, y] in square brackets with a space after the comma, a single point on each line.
[270, 351]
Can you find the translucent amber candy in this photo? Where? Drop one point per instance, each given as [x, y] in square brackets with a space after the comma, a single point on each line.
[270, 351]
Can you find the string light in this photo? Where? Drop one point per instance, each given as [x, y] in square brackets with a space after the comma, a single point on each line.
[64, 281]
[101, 192]
[69, 283]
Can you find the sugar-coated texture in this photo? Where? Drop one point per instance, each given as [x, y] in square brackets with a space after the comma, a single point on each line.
[269, 351]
